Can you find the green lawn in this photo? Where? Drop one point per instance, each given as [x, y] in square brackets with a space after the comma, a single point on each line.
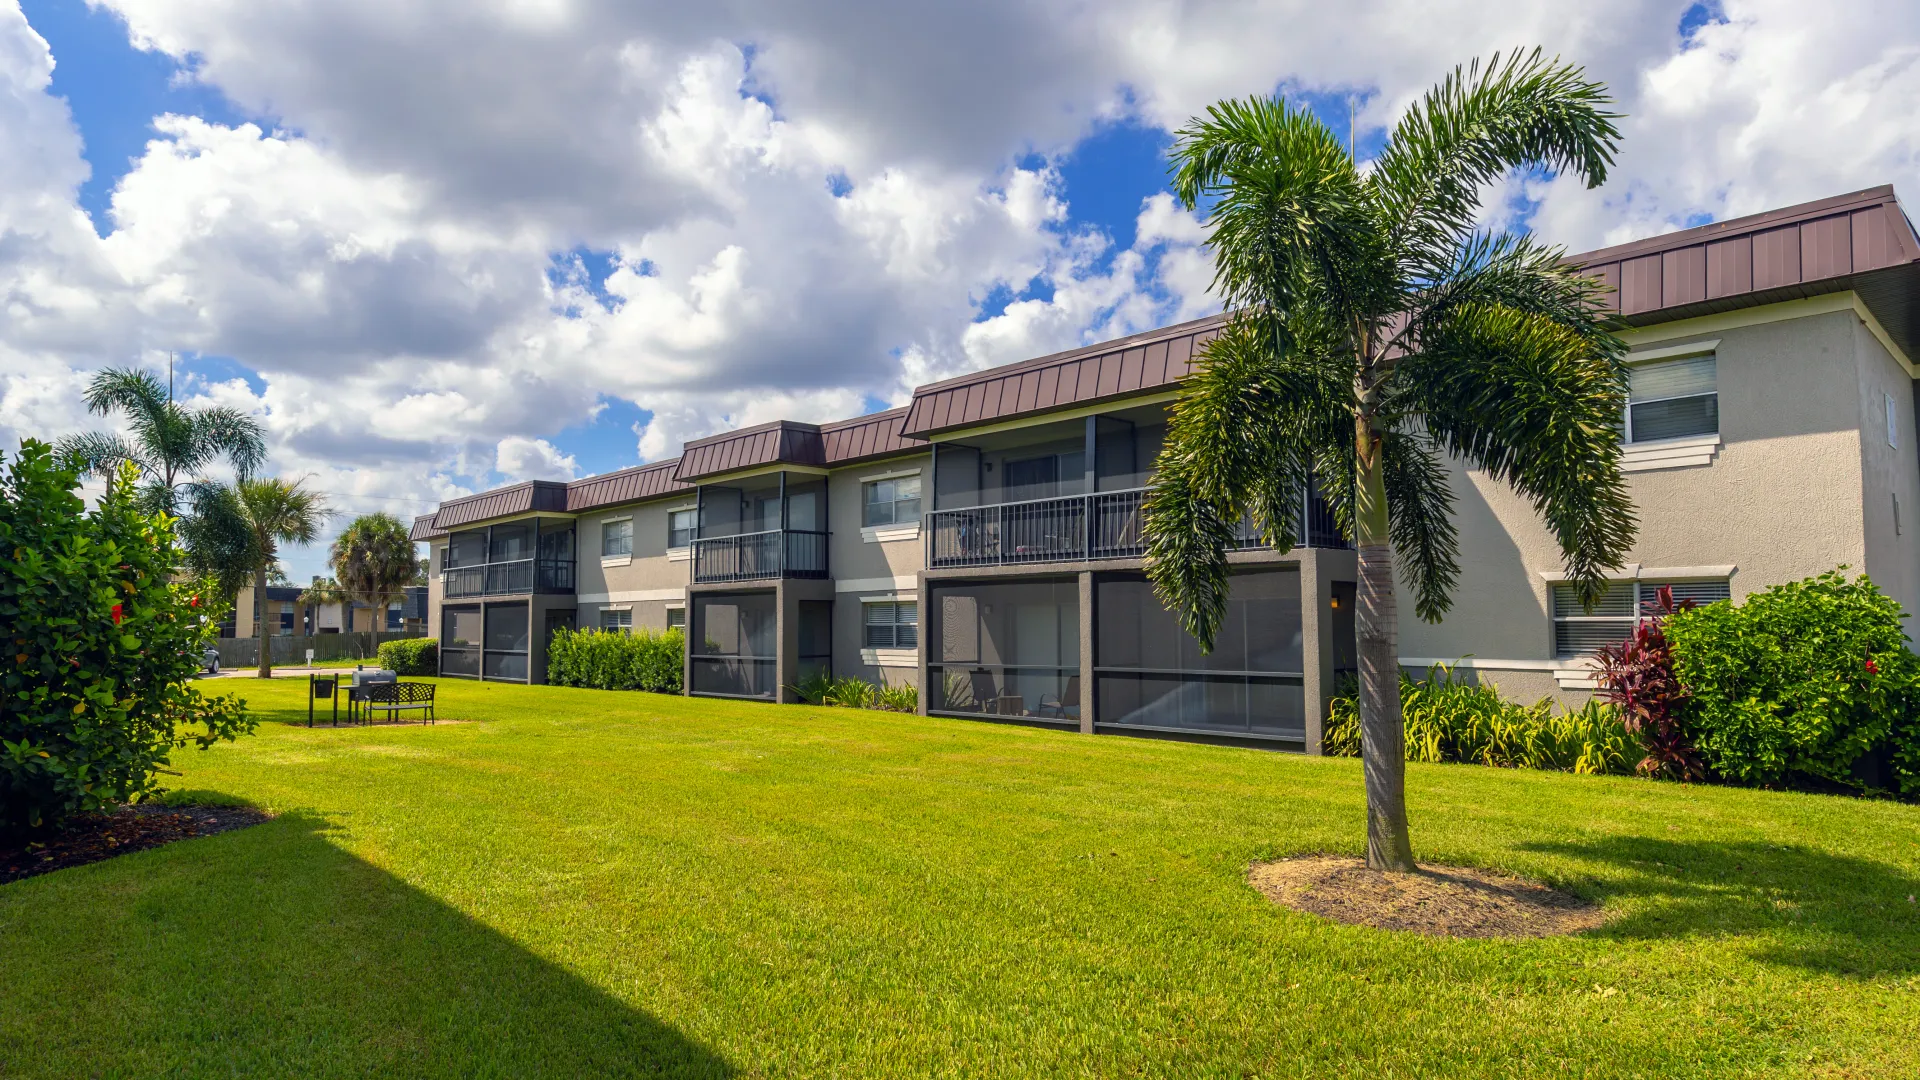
[584, 883]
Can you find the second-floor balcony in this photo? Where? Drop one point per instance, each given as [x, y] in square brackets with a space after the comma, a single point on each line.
[760, 556]
[1072, 528]
[509, 578]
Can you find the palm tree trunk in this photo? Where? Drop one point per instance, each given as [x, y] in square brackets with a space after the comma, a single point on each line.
[1376, 624]
[260, 621]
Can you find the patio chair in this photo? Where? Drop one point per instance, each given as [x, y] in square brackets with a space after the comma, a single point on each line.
[1056, 707]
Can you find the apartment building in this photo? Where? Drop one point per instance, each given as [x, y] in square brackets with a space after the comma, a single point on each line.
[984, 541]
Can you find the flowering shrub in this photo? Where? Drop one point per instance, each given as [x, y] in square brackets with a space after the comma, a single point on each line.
[100, 644]
[1637, 676]
[1803, 679]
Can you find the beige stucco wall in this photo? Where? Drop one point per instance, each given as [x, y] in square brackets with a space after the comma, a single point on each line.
[1781, 500]
[648, 583]
[1888, 473]
[868, 570]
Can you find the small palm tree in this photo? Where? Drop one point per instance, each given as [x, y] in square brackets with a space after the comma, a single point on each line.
[322, 592]
[171, 444]
[374, 560]
[1374, 332]
[274, 512]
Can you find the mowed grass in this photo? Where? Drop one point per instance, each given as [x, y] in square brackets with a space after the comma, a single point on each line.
[582, 883]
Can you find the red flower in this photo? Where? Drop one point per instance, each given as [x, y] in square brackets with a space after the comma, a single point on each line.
[117, 615]
[1872, 668]
[193, 601]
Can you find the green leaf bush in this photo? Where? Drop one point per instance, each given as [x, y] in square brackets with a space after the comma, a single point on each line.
[411, 656]
[1801, 680]
[854, 692]
[1450, 719]
[101, 644]
[617, 660]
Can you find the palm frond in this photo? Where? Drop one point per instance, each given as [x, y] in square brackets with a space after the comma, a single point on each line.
[1523, 110]
[98, 454]
[1420, 522]
[230, 433]
[1537, 405]
[130, 390]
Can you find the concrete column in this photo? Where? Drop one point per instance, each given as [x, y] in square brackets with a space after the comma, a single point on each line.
[927, 618]
[1316, 640]
[1086, 648]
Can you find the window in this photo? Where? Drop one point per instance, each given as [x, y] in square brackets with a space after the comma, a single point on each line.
[615, 619]
[892, 502]
[1672, 399]
[893, 624]
[677, 619]
[616, 537]
[680, 527]
[1583, 633]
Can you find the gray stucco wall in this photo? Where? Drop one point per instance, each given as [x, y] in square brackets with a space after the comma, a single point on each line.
[1889, 474]
[1781, 500]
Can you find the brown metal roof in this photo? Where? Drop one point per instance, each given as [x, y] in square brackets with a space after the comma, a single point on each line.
[626, 485]
[423, 529]
[783, 442]
[542, 495]
[871, 436]
[1143, 363]
[1860, 241]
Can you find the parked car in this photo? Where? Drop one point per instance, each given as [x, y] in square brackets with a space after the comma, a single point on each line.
[210, 660]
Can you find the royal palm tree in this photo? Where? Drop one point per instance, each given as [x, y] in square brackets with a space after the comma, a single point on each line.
[1376, 331]
[275, 512]
[171, 444]
[374, 561]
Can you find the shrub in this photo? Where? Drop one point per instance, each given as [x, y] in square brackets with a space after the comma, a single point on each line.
[1637, 676]
[411, 656]
[101, 646]
[1801, 679]
[1449, 719]
[616, 660]
[854, 692]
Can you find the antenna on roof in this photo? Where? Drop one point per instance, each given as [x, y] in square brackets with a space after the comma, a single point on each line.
[169, 376]
[1349, 125]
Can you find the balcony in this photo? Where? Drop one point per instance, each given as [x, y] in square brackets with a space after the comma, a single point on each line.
[519, 576]
[1073, 528]
[760, 556]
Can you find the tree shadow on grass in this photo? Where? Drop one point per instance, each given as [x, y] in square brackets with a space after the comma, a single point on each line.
[272, 952]
[1811, 909]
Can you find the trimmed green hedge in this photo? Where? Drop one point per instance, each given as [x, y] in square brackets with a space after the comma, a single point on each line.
[616, 660]
[1452, 720]
[411, 656]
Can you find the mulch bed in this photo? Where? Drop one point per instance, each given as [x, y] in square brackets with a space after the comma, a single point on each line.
[1444, 901]
[94, 837]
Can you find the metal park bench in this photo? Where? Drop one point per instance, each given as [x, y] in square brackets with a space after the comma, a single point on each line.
[396, 697]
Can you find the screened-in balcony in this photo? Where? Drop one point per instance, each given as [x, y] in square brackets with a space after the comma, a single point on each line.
[519, 558]
[1067, 492]
[762, 528]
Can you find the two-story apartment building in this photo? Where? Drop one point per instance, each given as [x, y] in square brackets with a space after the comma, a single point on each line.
[984, 541]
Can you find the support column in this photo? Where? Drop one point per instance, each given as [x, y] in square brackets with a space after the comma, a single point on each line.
[1316, 640]
[927, 617]
[1086, 649]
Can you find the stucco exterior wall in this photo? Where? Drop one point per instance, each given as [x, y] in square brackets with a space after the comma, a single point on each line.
[648, 582]
[1889, 471]
[1781, 499]
[866, 569]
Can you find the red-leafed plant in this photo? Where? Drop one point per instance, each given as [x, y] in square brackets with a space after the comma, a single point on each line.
[1637, 675]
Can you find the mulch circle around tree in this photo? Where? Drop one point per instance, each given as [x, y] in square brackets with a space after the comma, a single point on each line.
[1444, 901]
[94, 837]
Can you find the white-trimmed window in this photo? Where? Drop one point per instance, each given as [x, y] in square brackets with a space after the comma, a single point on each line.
[892, 624]
[616, 537]
[1672, 399]
[617, 619]
[894, 501]
[677, 619]
[1583, 633]
[680, 527]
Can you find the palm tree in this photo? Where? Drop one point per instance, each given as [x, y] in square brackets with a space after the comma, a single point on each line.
[275, 512]
[373, 558]
[171, 444]
[1374, 331]
[322, 591]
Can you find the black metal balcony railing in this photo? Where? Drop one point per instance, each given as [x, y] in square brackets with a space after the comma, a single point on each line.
[776, 553]
[508, 578]
[1073, 528]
